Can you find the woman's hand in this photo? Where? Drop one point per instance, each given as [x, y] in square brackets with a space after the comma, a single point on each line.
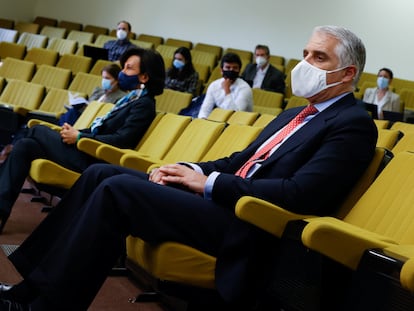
[69, 134]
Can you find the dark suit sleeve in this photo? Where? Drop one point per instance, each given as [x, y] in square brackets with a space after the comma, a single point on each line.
[310, 177]
[274, 81]
[126, 128]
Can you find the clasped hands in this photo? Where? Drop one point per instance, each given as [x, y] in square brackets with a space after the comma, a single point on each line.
[180, 175]
[68, 134]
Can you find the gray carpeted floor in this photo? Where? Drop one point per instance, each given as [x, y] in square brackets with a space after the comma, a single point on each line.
[115, 292]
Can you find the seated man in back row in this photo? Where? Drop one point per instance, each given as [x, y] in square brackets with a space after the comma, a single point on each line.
[119, 46]
[307, 160]
[263, 75]
[229, 92]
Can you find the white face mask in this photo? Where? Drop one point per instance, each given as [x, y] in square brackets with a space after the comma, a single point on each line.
[261, 61]
[308, 80]
[121, 34]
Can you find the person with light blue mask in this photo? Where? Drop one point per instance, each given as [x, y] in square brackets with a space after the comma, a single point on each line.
[109, 91]
[181, 76]
[382, 96]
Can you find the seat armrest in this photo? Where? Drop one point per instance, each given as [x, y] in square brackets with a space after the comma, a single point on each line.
[341, 241]
[406, 254]
[89, 146]
[33, 122]
[111, 154]
[265, 215]
[138, 162]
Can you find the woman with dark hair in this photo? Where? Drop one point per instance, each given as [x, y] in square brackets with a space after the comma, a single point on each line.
[182, 75]
[143, 74]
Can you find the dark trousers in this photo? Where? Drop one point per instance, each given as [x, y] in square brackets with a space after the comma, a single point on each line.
[67, 257]
[39, 142]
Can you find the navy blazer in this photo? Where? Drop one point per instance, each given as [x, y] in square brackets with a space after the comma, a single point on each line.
[126, 126]
[313, 170]
[310, 173]
[274, 79]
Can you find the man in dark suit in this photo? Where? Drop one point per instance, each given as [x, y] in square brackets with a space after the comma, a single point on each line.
[309, 168]
[261, 74]
[123, 126]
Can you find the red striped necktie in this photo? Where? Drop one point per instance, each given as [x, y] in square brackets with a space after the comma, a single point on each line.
[264, 152]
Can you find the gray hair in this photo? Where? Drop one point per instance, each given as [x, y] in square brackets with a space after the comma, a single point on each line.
[350, 49]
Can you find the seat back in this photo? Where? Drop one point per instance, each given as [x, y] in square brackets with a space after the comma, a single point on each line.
[244, 54]
[405, 143]
[215, 49]
[387, 138]
[243, 117]
[269, 101]
[22, 27]
[8, 35]
[235, 137]
[264, 119]
[96, 30]
[162, 137]
[6, 23]
[220, 114]
[172, 101]
[75, 63]
[53, 32]
[195, 141]
[17, 69]
[91, 111]
[62, 46]
[11, 49]
[156, 40]
[381, 157]
[70, 25]
[84, 83]
[386, 207]
[166, 51]
[23, 94]
[42, 56]
[296, 101]
[31, 40]
[82, 37]
[402, 126]
[52, 77]
[179, 43]
[43, 21]
[55, 101]
[204, 58]
[99, 65]
[143, 44]
[101, 39]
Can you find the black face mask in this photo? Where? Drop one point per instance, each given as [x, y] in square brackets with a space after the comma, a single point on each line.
[230, 74]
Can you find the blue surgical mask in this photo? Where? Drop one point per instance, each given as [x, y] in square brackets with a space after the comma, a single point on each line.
[106, 84]
[178, 63]
[382, 82]
[127, 82]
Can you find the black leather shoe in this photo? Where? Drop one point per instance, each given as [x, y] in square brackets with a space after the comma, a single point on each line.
[8, 305]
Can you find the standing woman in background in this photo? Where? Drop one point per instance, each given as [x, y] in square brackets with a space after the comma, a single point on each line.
[182, 75]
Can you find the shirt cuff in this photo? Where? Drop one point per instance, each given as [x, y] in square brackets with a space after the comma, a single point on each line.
[208, 187]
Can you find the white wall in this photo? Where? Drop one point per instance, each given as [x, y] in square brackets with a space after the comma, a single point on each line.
[385, 26]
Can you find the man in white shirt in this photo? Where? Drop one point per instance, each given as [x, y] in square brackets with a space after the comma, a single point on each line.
[230, 91]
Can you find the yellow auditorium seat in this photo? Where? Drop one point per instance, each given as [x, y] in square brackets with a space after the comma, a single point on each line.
[264, 119]
[296, 101]
[53, 32]
[75, 63]
[52, 77]
[143, 44]
[96, 30]
[102, 39]
[191, 145]
[172, 101]
[8, 35]
[99, 65]
[11, 49]
[52, 106]
[220, 115]
[23, 27]
[62, 46]
[43, 21]
[6, 23]
[156, 40]
[42, 56]
[46, 173]
[387, 138]
[13, 68]
[179, 43]
[267, 101]
[243, 117]
[155, 143]
[82, 37]
[84, 83]
[31, 40]
[205, 47]
[70, 25]
[244, 54]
